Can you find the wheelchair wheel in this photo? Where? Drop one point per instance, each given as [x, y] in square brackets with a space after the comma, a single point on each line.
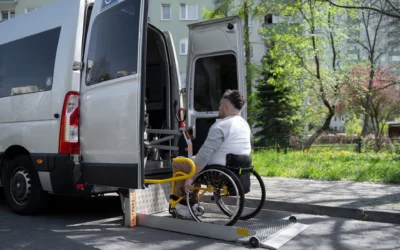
[253, 200]
[212, 186]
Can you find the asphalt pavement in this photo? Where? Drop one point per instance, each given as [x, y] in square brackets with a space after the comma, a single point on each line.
[67, 225]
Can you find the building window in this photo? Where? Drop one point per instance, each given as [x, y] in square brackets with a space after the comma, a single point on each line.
[165, 11]
[6, 15]
[395, 58]
[188, 11]
[183, 46]
[251, 21]
[268, 19]
[251, 51]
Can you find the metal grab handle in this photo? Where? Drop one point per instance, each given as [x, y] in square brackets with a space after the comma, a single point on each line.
[183, 176]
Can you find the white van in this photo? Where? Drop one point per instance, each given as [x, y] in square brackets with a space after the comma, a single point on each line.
[78, 81]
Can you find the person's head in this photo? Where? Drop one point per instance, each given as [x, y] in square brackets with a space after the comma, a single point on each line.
[231, 103]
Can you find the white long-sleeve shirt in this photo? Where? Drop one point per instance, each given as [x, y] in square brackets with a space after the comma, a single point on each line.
[231, 135]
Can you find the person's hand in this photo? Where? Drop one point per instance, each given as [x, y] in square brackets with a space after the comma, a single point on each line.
[188, 185]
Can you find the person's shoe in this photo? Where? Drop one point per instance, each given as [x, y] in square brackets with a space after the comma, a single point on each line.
[182, 211]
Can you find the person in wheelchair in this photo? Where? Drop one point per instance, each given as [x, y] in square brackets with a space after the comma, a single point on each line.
[230, 134]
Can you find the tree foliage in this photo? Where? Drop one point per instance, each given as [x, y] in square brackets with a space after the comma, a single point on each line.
[275, 112]
[390, 8]
[371, 37]
[309, 57]
[384, 97]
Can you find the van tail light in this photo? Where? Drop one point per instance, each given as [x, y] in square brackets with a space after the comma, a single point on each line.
[69, 129]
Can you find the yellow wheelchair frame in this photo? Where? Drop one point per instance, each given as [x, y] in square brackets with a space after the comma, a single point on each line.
[181, 176]
[178, 176]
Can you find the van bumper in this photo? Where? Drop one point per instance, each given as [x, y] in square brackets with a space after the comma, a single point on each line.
[64, 175]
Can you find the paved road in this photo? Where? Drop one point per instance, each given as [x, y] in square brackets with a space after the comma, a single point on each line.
[53, 231]
[362, 195]
[346, 199]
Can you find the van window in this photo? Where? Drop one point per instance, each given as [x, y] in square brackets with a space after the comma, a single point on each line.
[213, 76]
[113, 47]
[27, 65]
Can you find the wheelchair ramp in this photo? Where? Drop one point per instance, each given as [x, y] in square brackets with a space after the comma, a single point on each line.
[271, 233]
[272, 229]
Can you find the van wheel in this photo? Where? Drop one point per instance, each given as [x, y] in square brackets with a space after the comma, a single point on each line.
[22, 187]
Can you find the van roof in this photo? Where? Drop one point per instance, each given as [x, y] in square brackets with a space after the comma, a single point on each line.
[45, 18]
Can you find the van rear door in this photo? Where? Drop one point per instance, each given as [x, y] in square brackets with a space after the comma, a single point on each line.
[215, 63]
[176, 101]
[111, 98]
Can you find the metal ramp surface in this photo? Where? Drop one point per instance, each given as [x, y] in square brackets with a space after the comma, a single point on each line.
[270, 229]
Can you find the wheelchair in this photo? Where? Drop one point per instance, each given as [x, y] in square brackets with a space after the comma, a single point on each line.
[223, 189]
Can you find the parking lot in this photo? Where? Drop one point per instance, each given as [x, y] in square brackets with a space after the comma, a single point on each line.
[73, 223]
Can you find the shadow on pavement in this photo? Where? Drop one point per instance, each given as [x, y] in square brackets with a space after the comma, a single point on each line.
[88, 223]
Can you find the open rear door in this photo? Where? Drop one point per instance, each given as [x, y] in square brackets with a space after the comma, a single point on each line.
[111, 98]
[176, 101]
[215, 64]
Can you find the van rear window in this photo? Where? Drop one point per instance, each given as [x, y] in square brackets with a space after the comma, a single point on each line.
[27, 65]
[213, 76]
[113, 47]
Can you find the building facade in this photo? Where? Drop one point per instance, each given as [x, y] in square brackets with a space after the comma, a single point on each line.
[12, 8]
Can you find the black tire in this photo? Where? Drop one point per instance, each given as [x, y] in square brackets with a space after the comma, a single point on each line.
[254, 242]
[22, 188]
[263, 194]
[235, 185]
[261, 204]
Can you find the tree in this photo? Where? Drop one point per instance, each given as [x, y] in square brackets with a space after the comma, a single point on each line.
[388, 8]
[372, 41]
[309, 58]
[384, 97]
[275, 112]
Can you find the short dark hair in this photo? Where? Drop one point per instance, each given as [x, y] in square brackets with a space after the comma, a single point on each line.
[235, 98]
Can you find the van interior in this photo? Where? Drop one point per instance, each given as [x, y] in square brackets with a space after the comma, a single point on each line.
[158, 104]
[214, 74]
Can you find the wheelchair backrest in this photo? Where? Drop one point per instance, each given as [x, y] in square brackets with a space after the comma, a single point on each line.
[238, 161]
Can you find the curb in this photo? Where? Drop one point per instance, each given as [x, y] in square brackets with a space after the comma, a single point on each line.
[384, 216]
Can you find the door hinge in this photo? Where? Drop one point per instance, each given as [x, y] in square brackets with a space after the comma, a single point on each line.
[78, 65]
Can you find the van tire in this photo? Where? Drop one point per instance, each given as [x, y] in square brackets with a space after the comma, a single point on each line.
[22, 187]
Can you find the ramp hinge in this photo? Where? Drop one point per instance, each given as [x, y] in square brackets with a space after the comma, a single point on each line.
[78, 65]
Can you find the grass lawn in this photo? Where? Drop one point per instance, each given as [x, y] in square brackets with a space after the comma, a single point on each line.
[329, 165]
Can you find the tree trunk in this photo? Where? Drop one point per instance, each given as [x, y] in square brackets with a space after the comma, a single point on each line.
[319, 131]
[247, 55]
[368, 102]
